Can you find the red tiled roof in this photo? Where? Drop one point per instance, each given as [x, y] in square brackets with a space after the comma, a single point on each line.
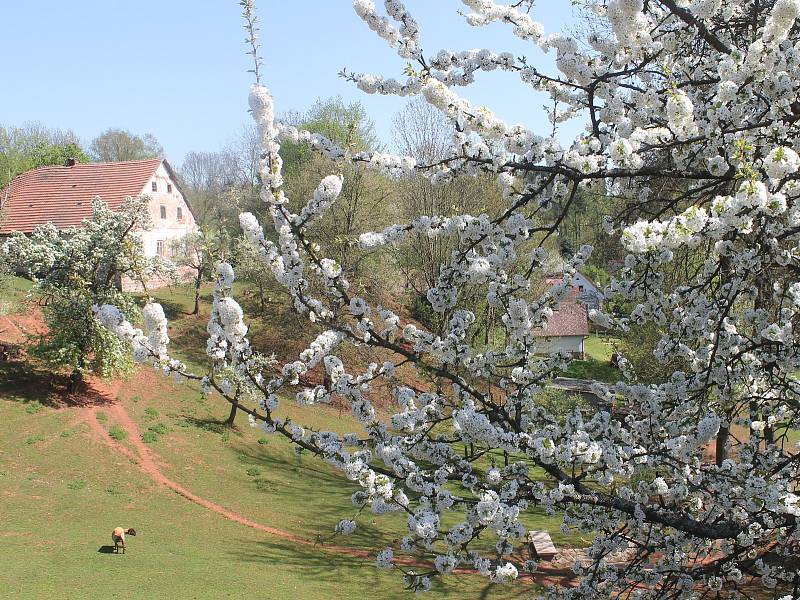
[63, 195]
[569, 318]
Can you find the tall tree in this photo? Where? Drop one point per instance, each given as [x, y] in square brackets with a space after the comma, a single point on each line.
[365, 198]
[423, 132]
[117, 145]
[221, 184]
[34, 145]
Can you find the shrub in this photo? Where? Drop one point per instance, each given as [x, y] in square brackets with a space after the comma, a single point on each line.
[148, 437]
[160, 429]
[117, 433]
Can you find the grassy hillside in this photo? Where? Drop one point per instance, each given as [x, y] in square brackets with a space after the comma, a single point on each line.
[62, 492]
[64, 485]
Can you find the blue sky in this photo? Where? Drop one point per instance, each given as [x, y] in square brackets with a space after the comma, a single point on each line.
[177, 68]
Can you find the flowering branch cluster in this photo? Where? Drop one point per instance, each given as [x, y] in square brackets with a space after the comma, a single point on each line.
[702, 94]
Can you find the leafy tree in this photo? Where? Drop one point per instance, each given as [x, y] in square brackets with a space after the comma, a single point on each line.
[57, 154]
[118, 145]
[423, 132]
[198, 252]
[365, 197]
[75, 270]
[34, 145]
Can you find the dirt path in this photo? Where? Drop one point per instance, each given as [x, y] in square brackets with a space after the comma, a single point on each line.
[150, 464]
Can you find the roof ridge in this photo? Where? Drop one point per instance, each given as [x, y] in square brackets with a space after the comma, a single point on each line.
[62, 194]
[119, 162]
[82, 164]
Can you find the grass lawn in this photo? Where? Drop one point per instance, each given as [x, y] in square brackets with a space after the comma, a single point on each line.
[13, 291]
[62, 490]
[61, 493]
[599, 347]
[265, 477]
[596, 364]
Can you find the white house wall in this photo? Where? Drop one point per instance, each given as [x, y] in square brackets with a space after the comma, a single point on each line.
[588, 294]
[171, 227]
[568, 343]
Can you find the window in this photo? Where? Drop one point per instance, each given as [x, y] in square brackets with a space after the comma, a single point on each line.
[154, 186]
[580, 288]
[161, 249]
[169, 188]
[163, 212]
[179, 213]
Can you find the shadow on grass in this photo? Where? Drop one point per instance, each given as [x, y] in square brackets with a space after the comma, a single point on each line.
[188, 337]
[177, 300]
[106, 549]
[288, 461]
[23, 381]
[211, 424]
[332, 570]
[326, 491]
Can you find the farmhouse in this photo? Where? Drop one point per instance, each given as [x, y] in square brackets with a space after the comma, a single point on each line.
[566, 329]
[63, 195]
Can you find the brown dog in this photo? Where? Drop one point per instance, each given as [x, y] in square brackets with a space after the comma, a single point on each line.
[118, 537]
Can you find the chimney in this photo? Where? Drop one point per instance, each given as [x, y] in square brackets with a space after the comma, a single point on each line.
[71, 162]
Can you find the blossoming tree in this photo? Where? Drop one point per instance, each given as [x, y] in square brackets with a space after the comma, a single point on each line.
[74, 269]
[700, 92]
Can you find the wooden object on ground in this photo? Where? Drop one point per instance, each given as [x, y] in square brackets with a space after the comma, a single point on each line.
[543, 544]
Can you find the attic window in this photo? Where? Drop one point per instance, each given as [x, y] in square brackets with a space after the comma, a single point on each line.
[169, 189]
[154, 186]
[179, 213]
[163, 211]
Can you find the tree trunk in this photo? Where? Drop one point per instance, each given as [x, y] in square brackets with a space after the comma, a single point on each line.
[75, 380]
[197, 281]
[232, 415]
[722, 444]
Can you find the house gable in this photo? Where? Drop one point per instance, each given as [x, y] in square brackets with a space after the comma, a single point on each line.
[171, 214]
[569, 319]
[582, 289]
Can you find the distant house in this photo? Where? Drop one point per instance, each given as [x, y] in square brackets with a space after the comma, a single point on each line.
[584, 290]
[566, 329]
[62, 195]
